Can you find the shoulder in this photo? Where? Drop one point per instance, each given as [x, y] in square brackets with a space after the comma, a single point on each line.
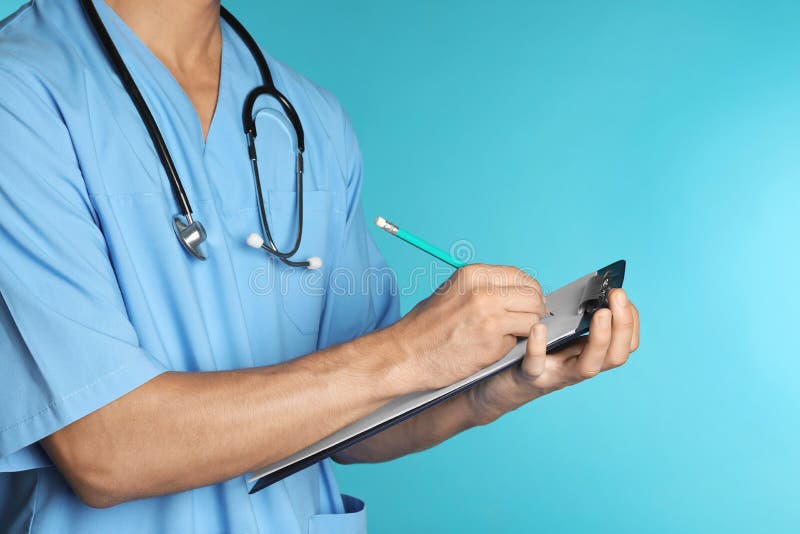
[38, 73]
[38, 63]
[14, 19]
[324, 103]
[318, 105]
[17, 32]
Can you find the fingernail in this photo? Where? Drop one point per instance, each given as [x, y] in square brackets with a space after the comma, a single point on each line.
[536, 318]
[605, 319]
[622, 299]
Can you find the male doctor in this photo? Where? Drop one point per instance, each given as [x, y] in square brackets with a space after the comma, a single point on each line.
[139, 385]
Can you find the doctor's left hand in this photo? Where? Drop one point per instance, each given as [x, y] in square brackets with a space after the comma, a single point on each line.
[613, 336]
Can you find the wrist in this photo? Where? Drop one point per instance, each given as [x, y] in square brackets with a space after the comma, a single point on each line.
[481, 412]
[387, 360]
[407, 373]
[501, 394]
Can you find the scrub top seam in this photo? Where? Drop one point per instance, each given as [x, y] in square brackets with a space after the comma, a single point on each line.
[61, 315]
[19, 202]
[156, 179]
[64, 398]
[35, 504]
[10, 72]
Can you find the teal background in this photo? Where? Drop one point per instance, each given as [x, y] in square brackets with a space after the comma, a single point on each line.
[561, 136]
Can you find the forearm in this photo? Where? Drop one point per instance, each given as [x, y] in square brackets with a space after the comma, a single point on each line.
[477, 406]
[421, 432]
[186, 430]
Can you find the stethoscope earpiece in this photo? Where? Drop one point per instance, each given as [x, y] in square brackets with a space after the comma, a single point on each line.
[190, 235]
[314, 262]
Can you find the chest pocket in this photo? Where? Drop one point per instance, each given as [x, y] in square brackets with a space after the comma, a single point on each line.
[302, 290]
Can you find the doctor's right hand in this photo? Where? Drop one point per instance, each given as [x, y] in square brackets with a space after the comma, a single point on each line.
[469, 322]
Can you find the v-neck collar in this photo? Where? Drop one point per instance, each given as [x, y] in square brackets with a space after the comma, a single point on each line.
[151, 58]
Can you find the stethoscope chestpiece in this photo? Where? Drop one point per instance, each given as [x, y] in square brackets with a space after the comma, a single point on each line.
[191, 234]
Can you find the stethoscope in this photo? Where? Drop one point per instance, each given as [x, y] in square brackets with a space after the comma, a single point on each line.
[189, 231]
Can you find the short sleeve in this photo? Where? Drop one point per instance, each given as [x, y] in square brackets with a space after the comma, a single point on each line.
[67, 347]
[362, 290]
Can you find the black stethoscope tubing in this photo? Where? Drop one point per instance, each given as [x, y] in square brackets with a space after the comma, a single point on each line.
[267, 88]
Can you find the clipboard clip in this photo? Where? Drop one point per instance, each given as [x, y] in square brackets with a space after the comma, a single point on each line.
[595, 294]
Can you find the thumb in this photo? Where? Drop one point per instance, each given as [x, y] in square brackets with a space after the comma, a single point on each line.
[536, 352]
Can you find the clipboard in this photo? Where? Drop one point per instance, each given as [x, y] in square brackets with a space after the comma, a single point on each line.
[572, 307]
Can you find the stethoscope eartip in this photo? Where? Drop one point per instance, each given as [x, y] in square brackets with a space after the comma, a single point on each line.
[314, 263]
[254, 240]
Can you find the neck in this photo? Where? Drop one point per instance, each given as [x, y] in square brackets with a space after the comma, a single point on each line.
[185, 36]
[181, 33]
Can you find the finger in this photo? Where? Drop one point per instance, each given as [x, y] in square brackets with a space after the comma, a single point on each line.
[590, 362]
[536, 352]
[570, 350]
[621, 329]
[524, 280]
[521, 301]
[512, 276]
[635, 336]
[519, 323]
[502, 276]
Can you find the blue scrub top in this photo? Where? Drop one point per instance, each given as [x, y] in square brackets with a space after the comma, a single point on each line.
[99, 297]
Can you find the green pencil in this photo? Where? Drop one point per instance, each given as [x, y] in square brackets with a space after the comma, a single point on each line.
[421, 244]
